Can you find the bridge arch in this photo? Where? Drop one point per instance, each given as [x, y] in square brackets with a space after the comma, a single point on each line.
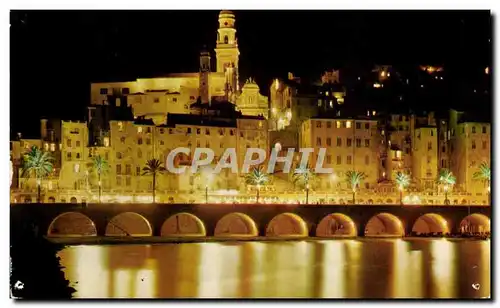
[287, 224]
[384, 225]
[336, 225]
[129, 224]
[183, 224]
[475, 223]
[236, 224]
[430, 223]
[72, 224]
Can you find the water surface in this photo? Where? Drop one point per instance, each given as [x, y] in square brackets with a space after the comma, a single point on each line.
[350, 268]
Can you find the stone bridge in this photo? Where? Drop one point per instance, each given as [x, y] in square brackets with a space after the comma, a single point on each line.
[251, 220]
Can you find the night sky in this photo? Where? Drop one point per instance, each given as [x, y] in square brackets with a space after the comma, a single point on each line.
[55, 55]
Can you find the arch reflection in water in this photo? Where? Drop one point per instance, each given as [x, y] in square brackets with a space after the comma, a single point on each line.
[336, 225]
[333, 276]
[238, 224]
[129, 224]
[475, 223]
[72, 224]
[431, 223]
[384, 225]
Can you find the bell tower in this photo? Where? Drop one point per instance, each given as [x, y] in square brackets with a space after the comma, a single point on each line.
[227, 51]
[204, 76]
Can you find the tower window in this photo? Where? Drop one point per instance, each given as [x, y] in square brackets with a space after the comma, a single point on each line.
[226, 39]
[225, 24]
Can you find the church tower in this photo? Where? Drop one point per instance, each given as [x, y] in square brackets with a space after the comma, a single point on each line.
[227, 51]
[204, 76]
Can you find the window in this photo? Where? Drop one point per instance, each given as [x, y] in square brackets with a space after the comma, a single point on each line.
[429, 145]
[443, 149]
[473, 129]
[207, 131]
[191, 97]
[349, 159]
[78, 155]
[338, 124]
[128, 169]
[162, 142]
[348, 124]
[139, 140]
[119, 169]
[367, 125]
[156, 100]
[358, 125]
[118, 181]
[162, 131]
[432, 133]
[68, 156]
[367, 185]
[328, 124]
[241, 134]
[125, 91]
[198, 143]
[106, 156]
[349, 142]
[138, 170]
[328, 141]
[318, 124]
[198, 131]
[328, 159]
[170, 131]
[148, 130]
[103, 91]
[358, 142]
[68, 143]
[207, 144]
[127, 181]
[148, 141]
[122, 139]
[120, 126]
[339, 141]
[76, 168]
[221, 131]
[222, 145]
[52, 147]
[473, 144]
[367, 160]
[139, 129]
[139, 153]
[318, 141]
[174, 99]
[231, 132]
[484, 129]
[118, 155]
[339, 160]
[367, 143]
[484, 145]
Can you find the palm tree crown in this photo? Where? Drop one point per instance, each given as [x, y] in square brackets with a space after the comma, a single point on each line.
[402, 180]
[37, 163]
[446, 177]
[354, 178]
[153, 167]
[303, 176]
[257, 177]
[484, 172]
[99, 165]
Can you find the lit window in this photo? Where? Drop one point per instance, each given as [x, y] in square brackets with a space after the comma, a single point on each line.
[348, 124]
[326, 93]
[139, 129]
[52, 147]
[77, 168]
[338, 124]
[46, 146]
[106, 141]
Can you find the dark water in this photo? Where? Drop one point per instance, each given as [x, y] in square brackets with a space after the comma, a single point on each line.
[355, 268]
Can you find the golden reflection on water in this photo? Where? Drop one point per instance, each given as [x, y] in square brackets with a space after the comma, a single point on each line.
[364, 268]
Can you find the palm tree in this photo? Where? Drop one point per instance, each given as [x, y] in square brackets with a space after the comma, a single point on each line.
[258, 178]
[100, 166]
[303, 176]
[483, 174]
[153, 167]
[37, 164]
[447, 179]
[354, 178]
[403, 181]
